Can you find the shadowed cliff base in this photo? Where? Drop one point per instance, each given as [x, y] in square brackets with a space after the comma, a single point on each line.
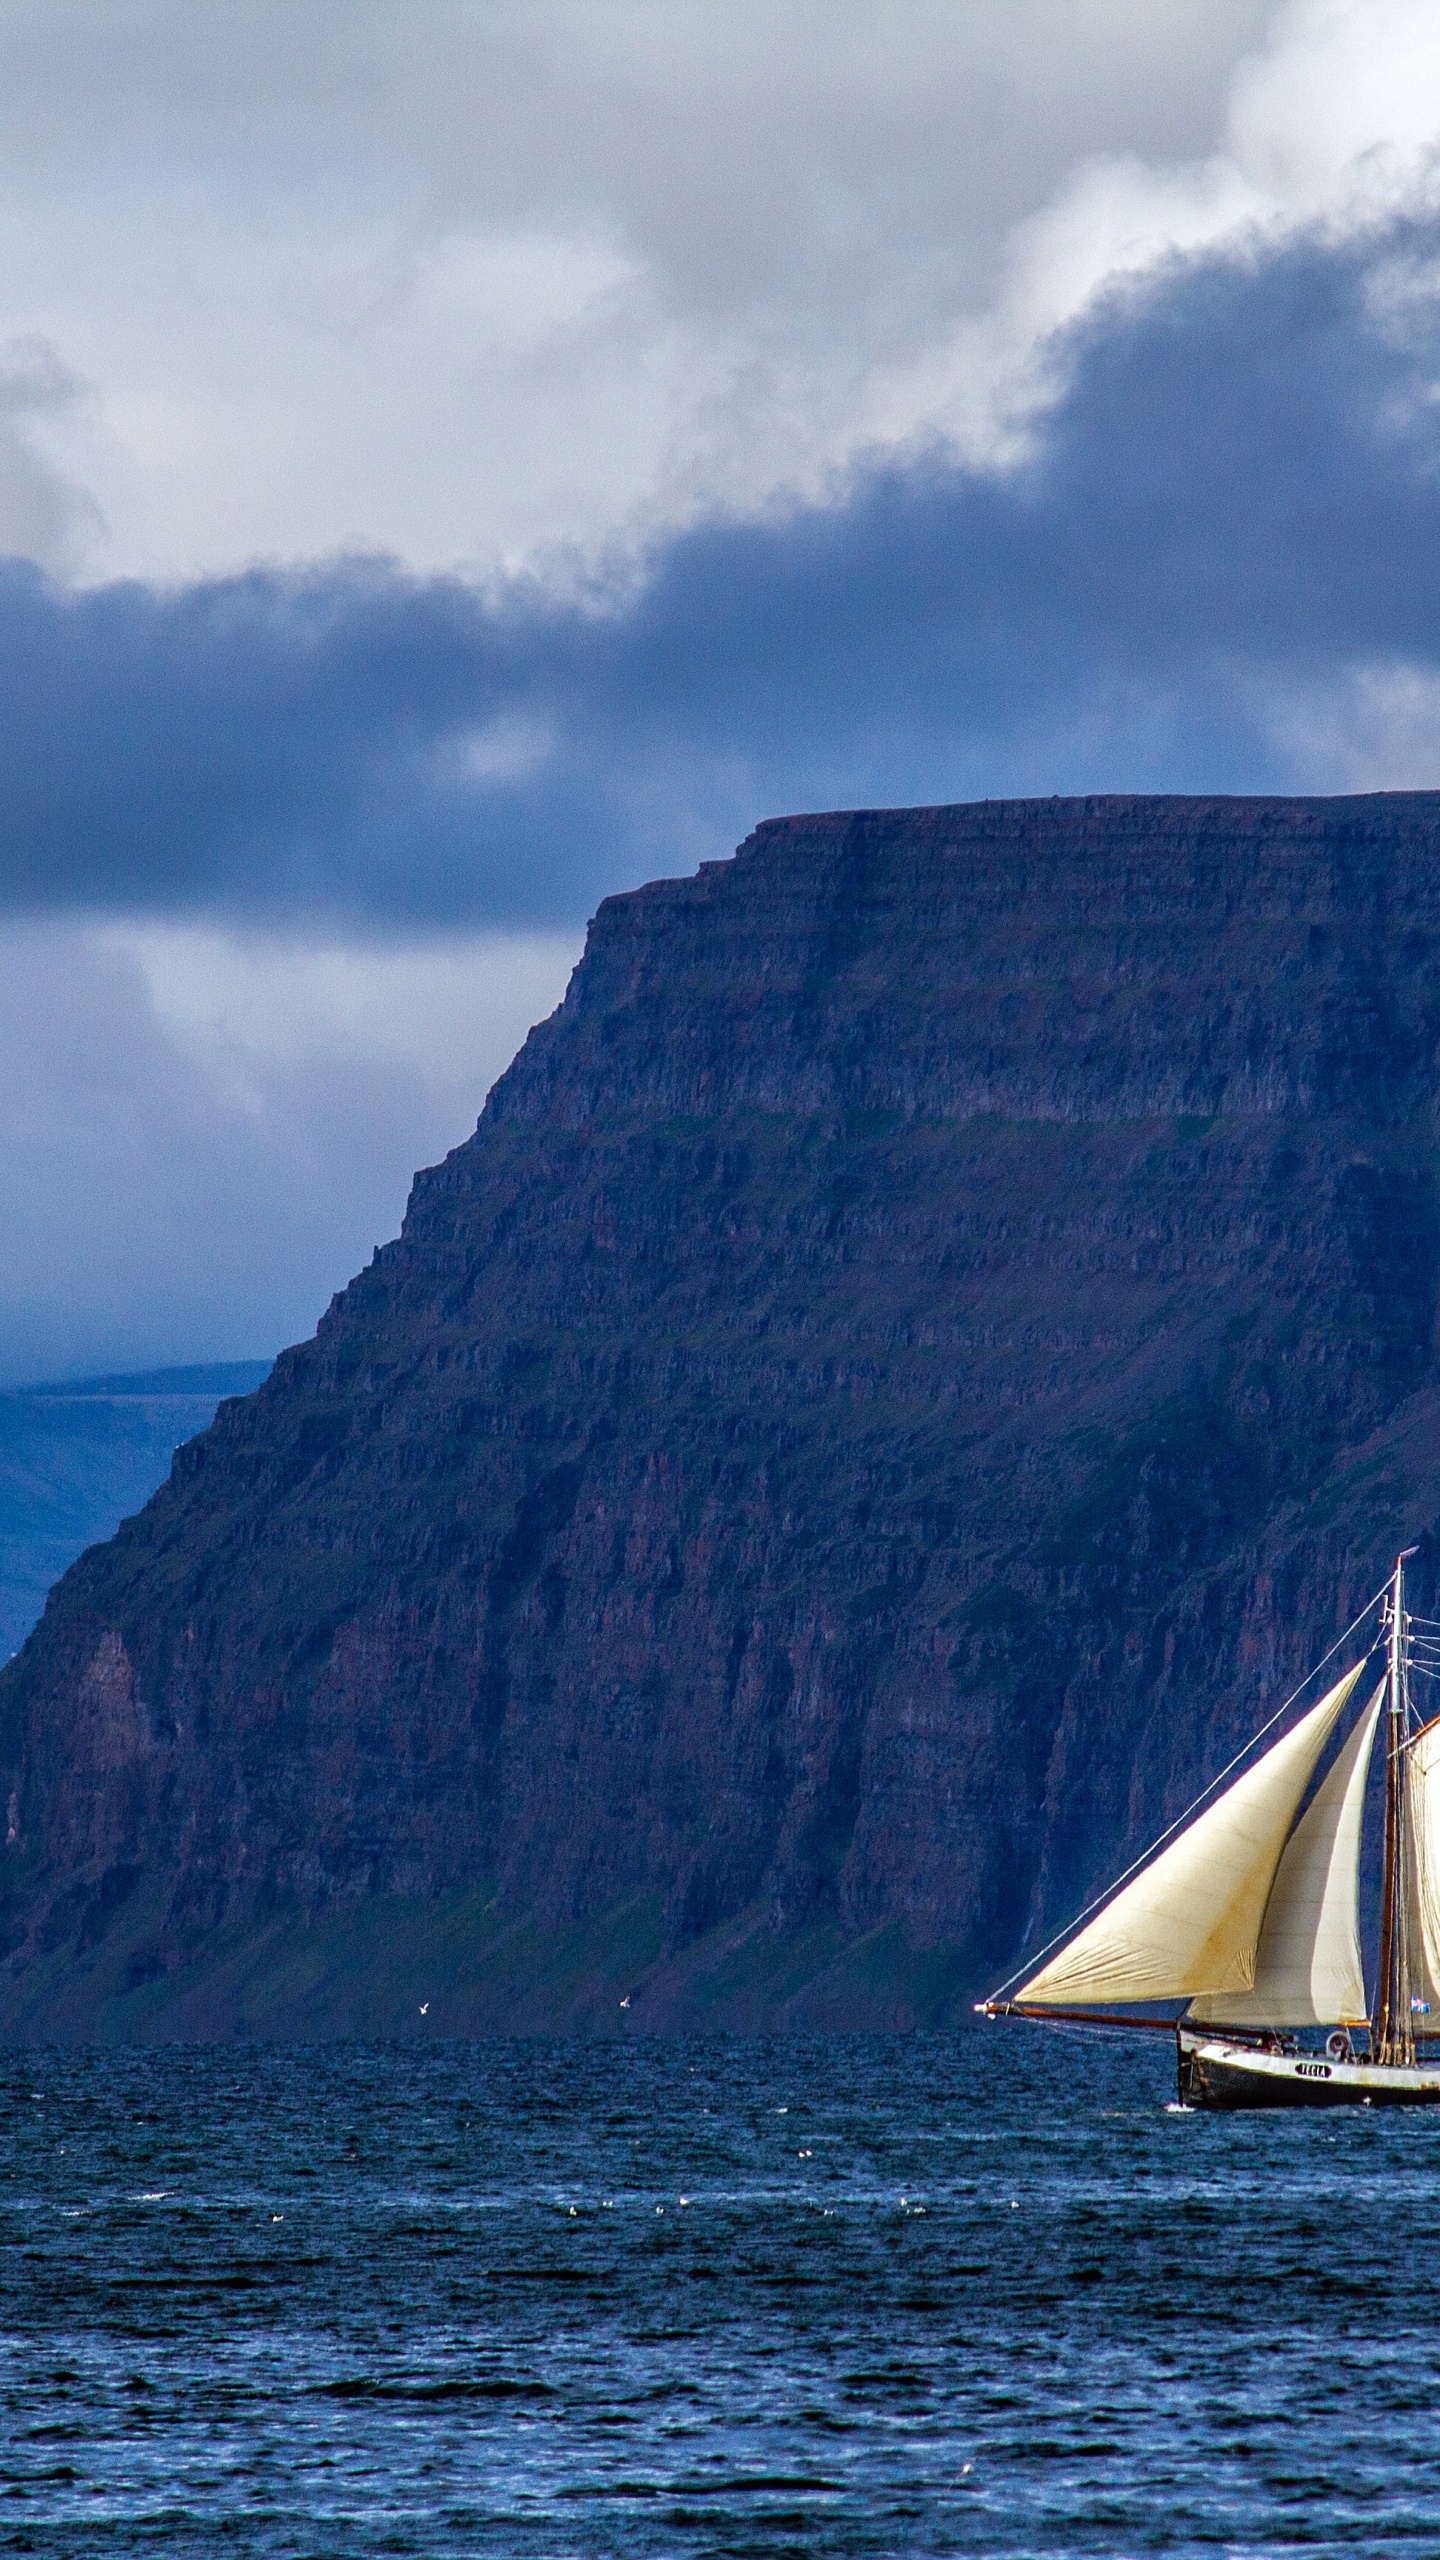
[456, 1966]
[925, 1347]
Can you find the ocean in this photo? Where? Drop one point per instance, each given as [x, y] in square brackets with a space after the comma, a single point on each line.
[974, 2292]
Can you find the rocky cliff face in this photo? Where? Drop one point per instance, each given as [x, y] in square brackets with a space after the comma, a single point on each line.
[935, 1333]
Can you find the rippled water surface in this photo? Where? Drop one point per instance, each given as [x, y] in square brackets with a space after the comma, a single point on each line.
[970, 2293]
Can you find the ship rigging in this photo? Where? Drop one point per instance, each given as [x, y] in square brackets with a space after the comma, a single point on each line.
[1247, 1910]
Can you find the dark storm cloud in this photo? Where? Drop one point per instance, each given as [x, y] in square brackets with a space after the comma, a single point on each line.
[1233, 507]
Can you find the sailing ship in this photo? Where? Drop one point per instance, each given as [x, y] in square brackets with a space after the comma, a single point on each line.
[1247, 1911]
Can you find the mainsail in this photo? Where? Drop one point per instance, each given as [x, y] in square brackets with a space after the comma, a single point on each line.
[1190, 1922]
[1307, 1965]
[1422, 1789]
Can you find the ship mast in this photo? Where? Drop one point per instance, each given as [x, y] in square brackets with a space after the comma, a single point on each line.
[1393, 2035]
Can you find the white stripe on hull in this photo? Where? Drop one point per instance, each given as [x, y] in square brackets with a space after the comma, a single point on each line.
[1216, 2072]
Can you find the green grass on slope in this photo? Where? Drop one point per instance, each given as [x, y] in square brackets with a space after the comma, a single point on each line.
[455, 1966]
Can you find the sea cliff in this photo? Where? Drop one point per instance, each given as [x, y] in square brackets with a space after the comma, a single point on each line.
[924, 1345]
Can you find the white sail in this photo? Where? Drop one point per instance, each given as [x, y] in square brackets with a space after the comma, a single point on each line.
[1307, 1965]
[1422, 1786]
[1190, 1922]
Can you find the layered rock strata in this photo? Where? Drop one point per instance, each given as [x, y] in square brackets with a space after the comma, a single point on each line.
[930, 1338]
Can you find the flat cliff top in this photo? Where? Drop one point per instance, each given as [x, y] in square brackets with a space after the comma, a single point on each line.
[1050, 958]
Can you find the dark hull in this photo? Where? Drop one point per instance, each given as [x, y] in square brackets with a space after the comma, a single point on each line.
[1224, 2077]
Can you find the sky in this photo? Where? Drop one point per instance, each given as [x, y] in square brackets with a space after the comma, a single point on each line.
[459, 460]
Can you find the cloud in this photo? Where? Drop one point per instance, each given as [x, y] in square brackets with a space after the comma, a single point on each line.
[1233, 511]
[44, 516]
[458, 282]
[461, 284]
